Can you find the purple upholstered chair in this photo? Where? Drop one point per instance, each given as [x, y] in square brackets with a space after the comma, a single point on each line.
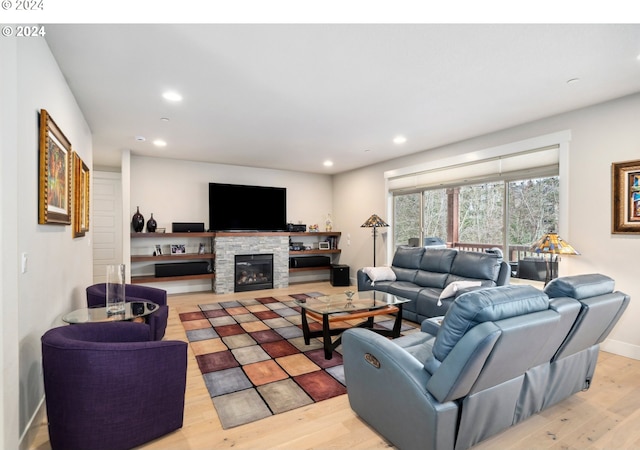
[97, 296]
[108, 386]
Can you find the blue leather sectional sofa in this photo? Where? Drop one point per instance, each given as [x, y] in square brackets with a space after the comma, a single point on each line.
[499, 356]
[421, 274]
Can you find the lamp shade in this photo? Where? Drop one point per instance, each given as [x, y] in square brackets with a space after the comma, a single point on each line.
[554, 244]
[374, 222]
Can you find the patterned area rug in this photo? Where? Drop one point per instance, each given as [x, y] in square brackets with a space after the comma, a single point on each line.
[254, 360]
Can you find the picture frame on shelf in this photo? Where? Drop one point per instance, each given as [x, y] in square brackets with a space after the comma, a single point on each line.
[201, 248]
[178, 249]
[625, 190]
[80, 196]
[54, 173]
[158, 250]
[324, 246]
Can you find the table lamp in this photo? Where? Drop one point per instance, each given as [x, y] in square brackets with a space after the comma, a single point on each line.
[552, 244]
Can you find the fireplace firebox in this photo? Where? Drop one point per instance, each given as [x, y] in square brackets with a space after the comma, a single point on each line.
[253, 272]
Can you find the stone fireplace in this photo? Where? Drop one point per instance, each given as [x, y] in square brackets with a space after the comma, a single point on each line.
[229, 245]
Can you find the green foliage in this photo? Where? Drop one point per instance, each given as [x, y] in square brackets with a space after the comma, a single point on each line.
[532, 211]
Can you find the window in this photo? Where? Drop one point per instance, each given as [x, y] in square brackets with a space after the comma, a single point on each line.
[475, 216]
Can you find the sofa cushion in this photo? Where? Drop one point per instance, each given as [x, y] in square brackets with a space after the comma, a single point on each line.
[580, 286]
[427, 303]
[404, 289]
[475, 307]
[475, 265]
[383, 273]
[403, 274]
[431, 279]
[438, 259]
[452, 288]
[407, 257]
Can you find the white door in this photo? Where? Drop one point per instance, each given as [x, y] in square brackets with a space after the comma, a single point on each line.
[107, 219]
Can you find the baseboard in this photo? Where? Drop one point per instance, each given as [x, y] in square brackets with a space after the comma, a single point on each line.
[38, 420]
[621, 348]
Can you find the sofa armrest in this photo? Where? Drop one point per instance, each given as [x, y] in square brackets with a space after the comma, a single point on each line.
[504, 275]
[364, 282]
[431, 325]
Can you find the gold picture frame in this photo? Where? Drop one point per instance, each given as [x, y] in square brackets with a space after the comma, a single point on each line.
[625, 202]
[80, 196]
[54, 189]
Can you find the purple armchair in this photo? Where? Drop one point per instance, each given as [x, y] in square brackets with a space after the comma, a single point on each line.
[108, 386]
[97, 296]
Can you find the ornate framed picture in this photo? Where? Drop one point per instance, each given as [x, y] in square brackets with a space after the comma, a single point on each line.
[625, 212]
[54, 178]
[80, 196]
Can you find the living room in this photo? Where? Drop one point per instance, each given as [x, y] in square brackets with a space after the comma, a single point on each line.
[58, 267]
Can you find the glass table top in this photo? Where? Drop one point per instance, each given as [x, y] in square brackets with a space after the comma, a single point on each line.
[340, 303]
[132, 310]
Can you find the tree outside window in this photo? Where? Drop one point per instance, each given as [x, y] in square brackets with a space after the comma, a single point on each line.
[475, 214]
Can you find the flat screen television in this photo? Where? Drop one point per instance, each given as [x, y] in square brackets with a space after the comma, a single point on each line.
[235, 207]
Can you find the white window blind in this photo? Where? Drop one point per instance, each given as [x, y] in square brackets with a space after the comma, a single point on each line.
[529, 164]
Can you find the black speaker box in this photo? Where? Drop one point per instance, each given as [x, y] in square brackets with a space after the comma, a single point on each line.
[339, 275]
[309, 261]
[185, 268]
[296, 228]
[187, 227]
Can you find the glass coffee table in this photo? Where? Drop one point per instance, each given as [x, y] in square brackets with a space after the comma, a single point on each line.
[341, 308]
[135, 311]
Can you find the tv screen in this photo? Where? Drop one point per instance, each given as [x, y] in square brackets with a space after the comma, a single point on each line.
[235, 207]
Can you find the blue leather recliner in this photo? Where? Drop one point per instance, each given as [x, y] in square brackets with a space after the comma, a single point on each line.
[498, 356]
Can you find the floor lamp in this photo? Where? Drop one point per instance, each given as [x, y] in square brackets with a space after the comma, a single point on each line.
[374, 222]
[552, 244]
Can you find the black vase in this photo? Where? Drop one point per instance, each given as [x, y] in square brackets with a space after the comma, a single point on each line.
[152, 224]
[137, 221]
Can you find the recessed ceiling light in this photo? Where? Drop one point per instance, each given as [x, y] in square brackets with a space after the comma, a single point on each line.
[399, 140]
[328, 163]
[172, 96]
[159, 143]
[140, 138]
[573, 80]
[164, 119]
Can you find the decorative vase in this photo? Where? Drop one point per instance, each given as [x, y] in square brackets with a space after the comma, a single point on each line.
[152, 224]
[137, 221]
[329, 223]
[115, 289]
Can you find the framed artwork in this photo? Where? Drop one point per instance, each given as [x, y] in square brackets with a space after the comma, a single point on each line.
[626, 197]
[80, 196]
[54, 178]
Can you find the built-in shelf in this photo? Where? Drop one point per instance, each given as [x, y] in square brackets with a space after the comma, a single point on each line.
[314, 252]
[319, 235]
[140, 258]
[211, 256]
[168, 258]
[152, 279]
[168, 235]
[308, 269]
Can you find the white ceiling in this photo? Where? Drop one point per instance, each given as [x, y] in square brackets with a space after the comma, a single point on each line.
[292, 96]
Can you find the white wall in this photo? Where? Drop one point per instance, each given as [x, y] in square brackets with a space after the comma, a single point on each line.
[59, 266]
[601, 135]
[9, 376]
[178, 191]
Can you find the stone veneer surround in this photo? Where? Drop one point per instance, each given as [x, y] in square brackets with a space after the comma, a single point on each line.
[228, 245]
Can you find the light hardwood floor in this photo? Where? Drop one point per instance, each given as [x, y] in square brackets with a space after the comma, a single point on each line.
[605, 417]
